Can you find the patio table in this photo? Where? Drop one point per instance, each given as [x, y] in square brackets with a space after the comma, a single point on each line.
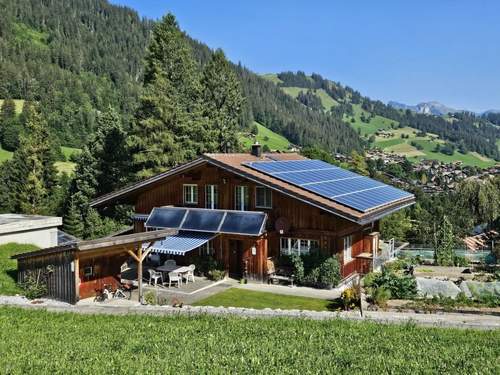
[175, 269]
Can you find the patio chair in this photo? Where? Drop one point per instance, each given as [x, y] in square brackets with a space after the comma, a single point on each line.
[174, 277]
[155, 276]
[170, 262]
[190, 273]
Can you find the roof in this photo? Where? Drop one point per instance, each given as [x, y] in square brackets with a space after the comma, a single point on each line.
[235, 163]
[101, 243]
[11, 223]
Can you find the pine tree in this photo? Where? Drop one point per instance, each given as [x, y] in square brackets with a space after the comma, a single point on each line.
[34, 163]
[168, 128]
[444, 243]
[222, 104]
[73, 222]
[9, 125]
[110, 152]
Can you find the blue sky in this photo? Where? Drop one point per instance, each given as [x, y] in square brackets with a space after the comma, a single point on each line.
[408, 51]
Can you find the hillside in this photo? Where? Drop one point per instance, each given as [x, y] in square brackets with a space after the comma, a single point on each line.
[70, 54]
[265, 137]
[391, 129]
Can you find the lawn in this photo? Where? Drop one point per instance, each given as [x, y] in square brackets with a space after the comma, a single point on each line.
[267, 137]
[326, 100]
[61, 166]
[46, 342]
[236, 297]
[8, 267]
[4, 155]
[19, 104]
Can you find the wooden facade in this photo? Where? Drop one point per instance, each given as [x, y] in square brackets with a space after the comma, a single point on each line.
[299, 219]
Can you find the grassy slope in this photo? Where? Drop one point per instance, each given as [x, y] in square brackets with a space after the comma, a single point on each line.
[8, 267]
[260, 300]
[395, 144]
[61, 166]
[274, 140]
[37, 341]
[19, 104]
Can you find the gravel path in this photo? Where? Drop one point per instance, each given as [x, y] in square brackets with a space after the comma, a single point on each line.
[435, 320]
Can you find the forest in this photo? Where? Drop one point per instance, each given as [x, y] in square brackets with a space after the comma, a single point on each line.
[169, 100]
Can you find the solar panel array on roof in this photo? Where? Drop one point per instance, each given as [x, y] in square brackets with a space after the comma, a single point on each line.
[250, 223]
[332, 182]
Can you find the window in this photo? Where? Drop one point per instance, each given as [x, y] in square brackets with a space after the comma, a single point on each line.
[295, 246]
[88, 271]
[263, 197]
[211, 196]
[190, 194]
[241, 198]
[347, 249]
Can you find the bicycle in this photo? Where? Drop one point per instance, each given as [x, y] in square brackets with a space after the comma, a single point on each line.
[121, 292]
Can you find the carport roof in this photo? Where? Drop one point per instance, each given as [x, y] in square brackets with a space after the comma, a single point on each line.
[102, 243]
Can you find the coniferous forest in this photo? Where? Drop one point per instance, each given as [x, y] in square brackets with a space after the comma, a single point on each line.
[138, 97]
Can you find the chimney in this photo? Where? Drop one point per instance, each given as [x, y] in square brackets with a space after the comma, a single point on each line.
[256, 150]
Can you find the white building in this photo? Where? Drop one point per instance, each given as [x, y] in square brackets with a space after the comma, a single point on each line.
[29, 229]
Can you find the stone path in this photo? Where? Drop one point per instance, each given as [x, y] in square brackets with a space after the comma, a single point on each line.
[300, 291]
[486, 322]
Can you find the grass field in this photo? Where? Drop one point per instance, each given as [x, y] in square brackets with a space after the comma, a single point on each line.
[273, 77]
[326, 99]
[61, 166]
[57, 343]
[260, 300]
[4, 155]
[19, 104]
[8, 267]
[267, 137]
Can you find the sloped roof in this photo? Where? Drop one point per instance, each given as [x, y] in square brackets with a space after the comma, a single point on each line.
[234, 162]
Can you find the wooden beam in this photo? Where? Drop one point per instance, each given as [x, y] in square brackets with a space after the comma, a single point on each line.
[139, 272]
[132, 254]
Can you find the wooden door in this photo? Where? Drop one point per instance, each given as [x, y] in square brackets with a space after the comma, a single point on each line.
[235, 258]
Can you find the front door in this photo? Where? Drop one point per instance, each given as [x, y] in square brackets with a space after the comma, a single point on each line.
[235, 258]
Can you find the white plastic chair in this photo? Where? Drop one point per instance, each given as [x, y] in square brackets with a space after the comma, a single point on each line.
[170, 262]
[190, 273]
[173, 277]
[155, 276]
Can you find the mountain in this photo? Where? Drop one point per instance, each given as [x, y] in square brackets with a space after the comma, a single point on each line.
[461, 135]
[79, 57]
[428, 108]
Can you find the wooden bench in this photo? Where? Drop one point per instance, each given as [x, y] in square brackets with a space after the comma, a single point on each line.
[277, 274]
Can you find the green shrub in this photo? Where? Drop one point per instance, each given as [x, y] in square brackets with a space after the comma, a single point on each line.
[350, 298]
[150, 298]
[329, 272]
[381, 296]
[297, 268]
[396, 265]
[369, 278]
[401, 287]
[216, 275]
[35, 284]
[460, 261]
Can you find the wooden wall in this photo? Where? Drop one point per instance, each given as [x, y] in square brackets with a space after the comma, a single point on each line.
[58, 271]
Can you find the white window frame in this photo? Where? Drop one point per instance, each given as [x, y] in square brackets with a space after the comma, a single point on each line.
[242, 191]
[297, 246]
[348, 249]
[212, 191]
[266, 203]
[190, 191]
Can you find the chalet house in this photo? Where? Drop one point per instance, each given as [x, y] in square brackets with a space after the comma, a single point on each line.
[239, 209]
[280, 203]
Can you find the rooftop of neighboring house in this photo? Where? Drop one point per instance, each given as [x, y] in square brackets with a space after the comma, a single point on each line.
[11, 223]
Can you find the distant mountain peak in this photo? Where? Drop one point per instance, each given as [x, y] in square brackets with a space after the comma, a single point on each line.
[430, 108]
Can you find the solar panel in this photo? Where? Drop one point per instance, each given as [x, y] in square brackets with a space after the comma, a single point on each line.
[249, 223]
[203, 220]
[332, 182]
[243, 223]
[165, 217]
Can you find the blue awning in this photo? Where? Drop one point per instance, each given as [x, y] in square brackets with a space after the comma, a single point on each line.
[181, 243]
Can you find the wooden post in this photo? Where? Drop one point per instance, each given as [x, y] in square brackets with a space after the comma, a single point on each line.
[139, 272]
[76, 265]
